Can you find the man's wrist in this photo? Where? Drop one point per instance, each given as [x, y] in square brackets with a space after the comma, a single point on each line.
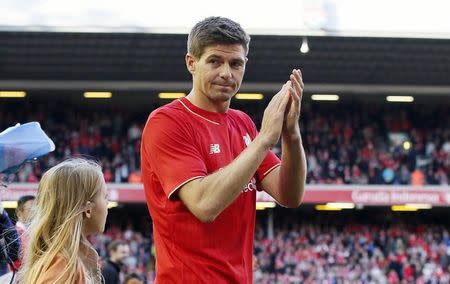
[292, 137]
[262, 142]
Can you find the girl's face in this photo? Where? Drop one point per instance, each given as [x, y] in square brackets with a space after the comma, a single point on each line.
[99, 211]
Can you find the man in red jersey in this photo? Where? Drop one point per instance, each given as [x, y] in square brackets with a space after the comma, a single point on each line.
[202, 163]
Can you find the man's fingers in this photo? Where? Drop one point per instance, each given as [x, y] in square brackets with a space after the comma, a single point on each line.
[285, 96]
[297, 81]
[296, 100]
[274, 100]
[296, 85]
[302, 85]
[294, 106]
[278, 96]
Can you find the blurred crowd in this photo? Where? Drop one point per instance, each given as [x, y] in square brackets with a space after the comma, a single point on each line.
[319, 253]
[377, 145]
[348, 144]
[111, 136]
[141, 251]
[354, 254]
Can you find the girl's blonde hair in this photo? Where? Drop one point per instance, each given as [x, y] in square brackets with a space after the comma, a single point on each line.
[56, 226]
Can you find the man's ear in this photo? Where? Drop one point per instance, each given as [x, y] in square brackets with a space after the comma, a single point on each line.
[190, 63]
[88, 210]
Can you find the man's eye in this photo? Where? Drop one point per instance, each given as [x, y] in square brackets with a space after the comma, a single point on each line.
[237, 64]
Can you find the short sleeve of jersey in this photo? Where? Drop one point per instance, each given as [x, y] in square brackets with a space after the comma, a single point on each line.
[171, 152]
[270, 162]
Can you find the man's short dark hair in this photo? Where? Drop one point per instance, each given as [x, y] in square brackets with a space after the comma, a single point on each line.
[132, 275]
[22, 200]
[113, 245]
[216, 30]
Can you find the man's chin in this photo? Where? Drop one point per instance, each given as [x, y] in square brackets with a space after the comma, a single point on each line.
[223, 96]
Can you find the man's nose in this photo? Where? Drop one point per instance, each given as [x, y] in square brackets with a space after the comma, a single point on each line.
[225, 71]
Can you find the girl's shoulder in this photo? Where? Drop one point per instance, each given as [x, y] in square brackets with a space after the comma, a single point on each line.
[56, 272]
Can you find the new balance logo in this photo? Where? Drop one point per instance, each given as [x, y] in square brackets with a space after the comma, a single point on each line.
[214, 149]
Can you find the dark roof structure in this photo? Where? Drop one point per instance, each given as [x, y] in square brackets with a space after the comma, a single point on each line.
[139, 61]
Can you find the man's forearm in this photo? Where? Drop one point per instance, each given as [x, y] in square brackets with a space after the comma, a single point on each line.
[292, 172]
[209, 196]
[217, 191]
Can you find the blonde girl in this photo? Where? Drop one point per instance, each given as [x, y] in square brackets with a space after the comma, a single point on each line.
[71, 203]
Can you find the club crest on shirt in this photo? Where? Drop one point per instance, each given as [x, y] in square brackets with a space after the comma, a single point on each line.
[247, 139]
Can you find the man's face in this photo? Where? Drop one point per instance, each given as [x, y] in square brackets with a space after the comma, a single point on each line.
[122, 252]
[135, 281]
[218, 73]
[24, 214]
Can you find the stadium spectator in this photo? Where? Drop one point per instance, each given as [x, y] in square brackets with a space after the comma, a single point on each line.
[133, 278]
[417, 178]
[23, 213]
[201, 169]
[71, 203]
[118, 251]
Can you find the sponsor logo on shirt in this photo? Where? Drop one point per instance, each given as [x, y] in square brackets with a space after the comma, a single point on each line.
[250, 186]
[247, 139]
[214, 149]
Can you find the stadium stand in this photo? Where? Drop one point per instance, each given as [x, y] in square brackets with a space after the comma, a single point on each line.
[366, 246]
[346, 144]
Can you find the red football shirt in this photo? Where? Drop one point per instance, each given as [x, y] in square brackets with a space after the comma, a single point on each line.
[182, 142]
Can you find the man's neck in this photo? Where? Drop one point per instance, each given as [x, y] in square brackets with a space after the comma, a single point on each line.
[203, 102]
[116, 262]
